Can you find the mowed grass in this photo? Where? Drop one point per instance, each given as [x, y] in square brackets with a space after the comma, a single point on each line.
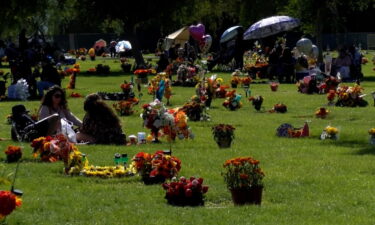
[308, 181]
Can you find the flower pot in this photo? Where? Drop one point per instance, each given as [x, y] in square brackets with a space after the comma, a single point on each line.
[274, 87]
[14, 157]
[195, 200]
[224, 142]
[234, 85]
[252, 195]
[147, 180]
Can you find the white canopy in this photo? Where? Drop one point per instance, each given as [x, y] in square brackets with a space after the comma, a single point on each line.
[178, 37]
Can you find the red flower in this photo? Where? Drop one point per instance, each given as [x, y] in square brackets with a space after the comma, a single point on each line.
[8, 202]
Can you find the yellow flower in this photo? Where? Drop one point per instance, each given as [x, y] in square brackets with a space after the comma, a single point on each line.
[372, 131]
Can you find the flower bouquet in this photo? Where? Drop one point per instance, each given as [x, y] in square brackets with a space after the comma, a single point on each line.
[244, 179]
[125, 108]
[256, 102]
[350, 96]
[52, 149]
[157, 167]
[155, 117]
[193, 110]
[185, 192]
[221, 91]
[235, 80]
[223, 135]
[372, 136]
[76, 162]
[331, 97]
[8, 203]
[322, 113]
[13, 153]
[233, 100]
[279, 108]
[330, 133]
[76, 95]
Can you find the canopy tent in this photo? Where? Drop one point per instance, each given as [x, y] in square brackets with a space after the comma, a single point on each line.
[100, 43]
[178, 37]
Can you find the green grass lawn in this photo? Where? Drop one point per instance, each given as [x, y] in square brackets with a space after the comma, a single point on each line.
[308, 181]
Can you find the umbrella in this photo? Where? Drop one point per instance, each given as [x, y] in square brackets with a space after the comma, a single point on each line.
[122, 46]
[230, 33]
[270, 26]
[100, 43]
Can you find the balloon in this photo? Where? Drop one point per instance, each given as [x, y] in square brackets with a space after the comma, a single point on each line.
[314, 52]
[206, 43]
[197, 31]
[304, 46]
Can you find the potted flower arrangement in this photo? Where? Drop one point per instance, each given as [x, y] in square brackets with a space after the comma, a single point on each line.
[372, 136]
[13, 153]
[8, 203]
[223, 135]
[274, 86]
[124, 108]
[102, 69]
[156, 168]
[193, 110]
[350, 96]
[256, 102]
[322, 113]
[279, 108]
[330, 133]
[243, 177]
[185, 192]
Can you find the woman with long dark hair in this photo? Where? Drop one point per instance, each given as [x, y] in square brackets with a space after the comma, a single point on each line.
[100, 124]
[54, 102]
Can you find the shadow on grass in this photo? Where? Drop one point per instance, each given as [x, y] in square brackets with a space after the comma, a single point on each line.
[361, 148]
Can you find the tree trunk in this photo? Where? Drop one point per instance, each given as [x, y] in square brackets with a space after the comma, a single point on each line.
[132, 38]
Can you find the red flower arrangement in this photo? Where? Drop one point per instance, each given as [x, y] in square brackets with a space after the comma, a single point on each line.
[76, 95]
[279, 108]
[246, 81]
[221, 91]
[322, 113]
[184, 191]
[51, 149]
[155, 168]
[125, 108]
[8, 203]
[13, 153]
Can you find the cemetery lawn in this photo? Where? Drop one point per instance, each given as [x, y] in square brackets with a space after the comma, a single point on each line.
[308, 181]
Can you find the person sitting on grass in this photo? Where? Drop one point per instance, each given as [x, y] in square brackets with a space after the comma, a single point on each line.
[100, 124]
[54, 102]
